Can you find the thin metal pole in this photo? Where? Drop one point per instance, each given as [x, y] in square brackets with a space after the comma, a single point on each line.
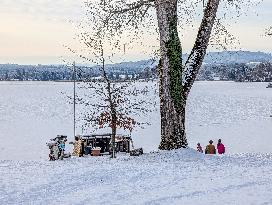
[74, 78]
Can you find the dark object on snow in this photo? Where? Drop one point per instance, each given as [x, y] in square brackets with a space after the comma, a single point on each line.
[122, 142]
[199, 148]
[136, 152]
[66, 155]
[82, 149]
[57, 147]
[269, 85]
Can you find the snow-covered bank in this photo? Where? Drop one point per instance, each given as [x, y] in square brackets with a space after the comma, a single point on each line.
[176, 177]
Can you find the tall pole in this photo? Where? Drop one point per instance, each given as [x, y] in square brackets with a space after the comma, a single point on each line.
[74, 78]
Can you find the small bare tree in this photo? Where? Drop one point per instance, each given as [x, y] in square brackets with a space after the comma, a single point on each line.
[110, 103]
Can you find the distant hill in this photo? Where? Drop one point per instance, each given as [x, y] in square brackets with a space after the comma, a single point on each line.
[230, 57]
[128, 67]
[224, 57]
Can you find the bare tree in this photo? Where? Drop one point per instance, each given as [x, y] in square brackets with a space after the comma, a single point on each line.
[108, 103]
[175, 77]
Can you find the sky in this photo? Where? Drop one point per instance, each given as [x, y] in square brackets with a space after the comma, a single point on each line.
[38, 31]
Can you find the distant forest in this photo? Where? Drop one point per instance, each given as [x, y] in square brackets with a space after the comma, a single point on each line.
[238, 66]
[239, 72]
[14, 72]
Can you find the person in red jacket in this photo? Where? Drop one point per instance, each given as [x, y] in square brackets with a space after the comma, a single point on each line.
[220, 147]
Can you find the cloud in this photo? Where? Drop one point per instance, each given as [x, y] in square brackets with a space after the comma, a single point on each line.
[49, 9]
[41, 27]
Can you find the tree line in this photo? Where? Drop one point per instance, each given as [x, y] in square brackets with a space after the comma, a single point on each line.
[10, 72]
[239, 72]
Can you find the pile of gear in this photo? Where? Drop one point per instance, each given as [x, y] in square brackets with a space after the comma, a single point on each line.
[93, 145]
[57, 148]
[136, 152]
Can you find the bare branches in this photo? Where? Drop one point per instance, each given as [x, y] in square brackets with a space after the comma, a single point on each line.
[221, 37]
[107, 103]
[135, 6]
[129, 100]
[117, 17]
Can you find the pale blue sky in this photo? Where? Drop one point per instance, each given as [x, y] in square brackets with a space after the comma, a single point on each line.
[35, 31]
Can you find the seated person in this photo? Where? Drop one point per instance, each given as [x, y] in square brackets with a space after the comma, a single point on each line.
[210, 148]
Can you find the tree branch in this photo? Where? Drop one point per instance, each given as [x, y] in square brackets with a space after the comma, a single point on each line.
[197, 55]
[134, 6]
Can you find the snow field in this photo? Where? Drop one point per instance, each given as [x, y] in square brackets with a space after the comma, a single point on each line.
[239, 113]
[33, 112]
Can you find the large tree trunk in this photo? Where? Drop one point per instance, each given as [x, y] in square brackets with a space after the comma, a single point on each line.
[176, 82]
[172, 105]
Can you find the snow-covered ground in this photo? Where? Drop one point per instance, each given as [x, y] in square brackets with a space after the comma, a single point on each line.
[176, 177]
[238, 113]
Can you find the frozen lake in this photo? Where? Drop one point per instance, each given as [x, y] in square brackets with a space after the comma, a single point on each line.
[238, 113]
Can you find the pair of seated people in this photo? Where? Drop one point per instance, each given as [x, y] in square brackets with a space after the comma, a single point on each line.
[210, 148]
